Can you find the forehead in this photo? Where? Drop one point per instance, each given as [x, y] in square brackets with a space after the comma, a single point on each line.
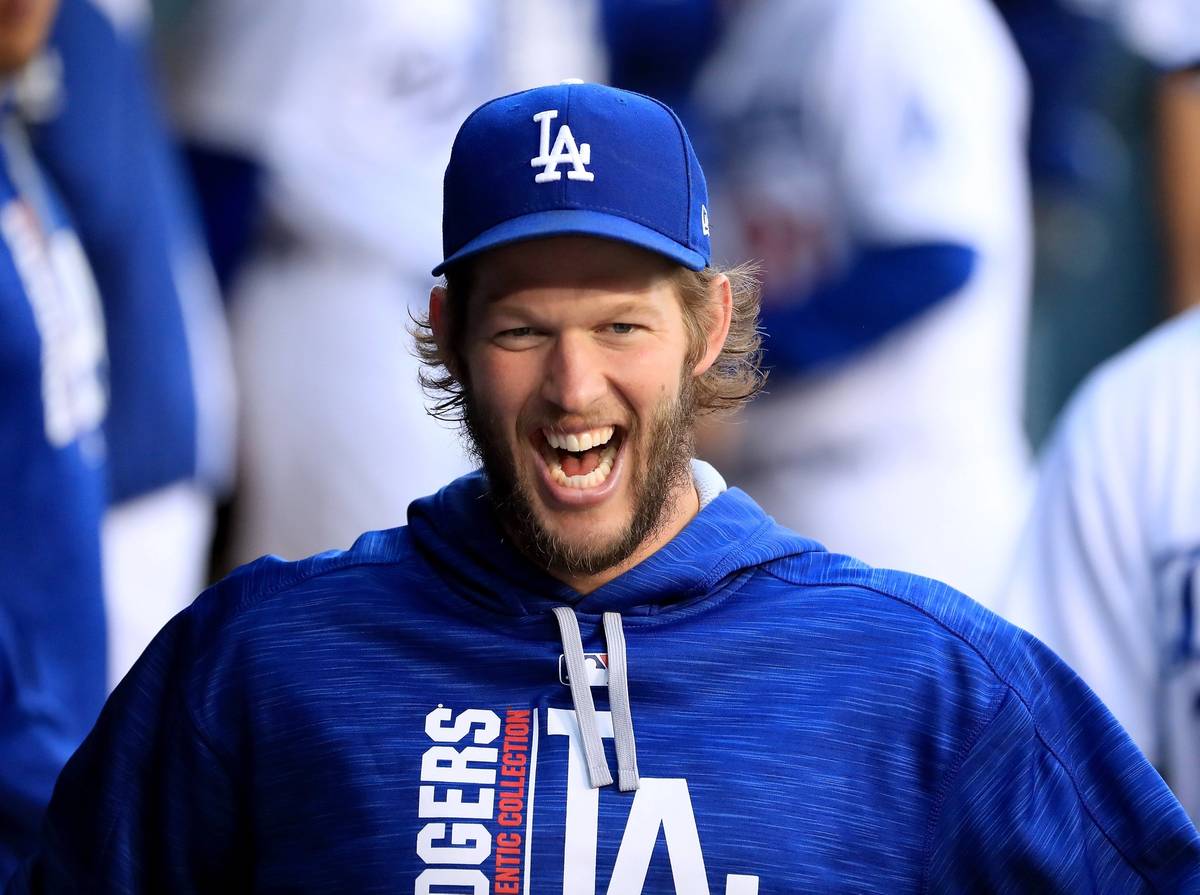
[567, 263]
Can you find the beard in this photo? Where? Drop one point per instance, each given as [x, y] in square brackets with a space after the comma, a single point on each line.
[666, 449]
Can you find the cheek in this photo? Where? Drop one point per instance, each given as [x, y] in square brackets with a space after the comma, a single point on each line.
[502, 382]
[649, 376]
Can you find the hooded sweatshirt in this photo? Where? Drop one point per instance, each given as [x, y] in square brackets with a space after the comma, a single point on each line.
[394, 719]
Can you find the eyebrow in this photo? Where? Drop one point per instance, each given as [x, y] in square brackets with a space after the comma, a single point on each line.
[632, 306]
[619, 307]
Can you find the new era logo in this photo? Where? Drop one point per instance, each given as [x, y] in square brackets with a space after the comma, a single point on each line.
[597, 669]
[565, 152]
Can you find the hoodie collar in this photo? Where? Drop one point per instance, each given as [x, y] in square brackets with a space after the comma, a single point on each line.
[458, 533]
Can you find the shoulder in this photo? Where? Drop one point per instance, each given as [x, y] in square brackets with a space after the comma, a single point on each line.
[1138, 405]
[266, 597]
[930, 605]
[1157, 361]
[949, 640]
[1038, 742]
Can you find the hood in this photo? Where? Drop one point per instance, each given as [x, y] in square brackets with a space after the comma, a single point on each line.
[457, 533]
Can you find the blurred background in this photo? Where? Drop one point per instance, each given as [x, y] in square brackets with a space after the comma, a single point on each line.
[222, 214]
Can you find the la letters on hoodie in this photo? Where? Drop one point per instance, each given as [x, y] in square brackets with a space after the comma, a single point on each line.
[393, 719]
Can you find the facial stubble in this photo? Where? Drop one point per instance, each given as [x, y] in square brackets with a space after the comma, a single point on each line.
[666, 448]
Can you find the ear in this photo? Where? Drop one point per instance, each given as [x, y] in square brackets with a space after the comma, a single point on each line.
[438, 320]
[439, 323]
[720, 305]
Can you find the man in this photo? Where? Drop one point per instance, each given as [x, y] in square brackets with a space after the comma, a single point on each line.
[52, 471]
[872, 156]
[419, 713]
[1109, 569]
[97, 129]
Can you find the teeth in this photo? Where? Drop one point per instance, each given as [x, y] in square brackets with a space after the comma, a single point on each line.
[582, 441]
[593, 478]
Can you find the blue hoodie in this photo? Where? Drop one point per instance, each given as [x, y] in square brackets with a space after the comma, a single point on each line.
[392, 719]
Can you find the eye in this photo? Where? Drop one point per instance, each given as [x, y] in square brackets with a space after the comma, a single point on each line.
[517, 337]
[622, 328]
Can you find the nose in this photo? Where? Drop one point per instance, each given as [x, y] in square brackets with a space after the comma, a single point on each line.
[575, 378]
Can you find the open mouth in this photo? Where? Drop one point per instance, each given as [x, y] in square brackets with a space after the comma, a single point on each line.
[580, 459]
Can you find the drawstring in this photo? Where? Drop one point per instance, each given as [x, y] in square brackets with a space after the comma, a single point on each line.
[581, 695]
[618, 700]
[618, 696]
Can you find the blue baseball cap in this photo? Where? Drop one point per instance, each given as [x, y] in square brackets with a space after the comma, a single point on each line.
[575, 159]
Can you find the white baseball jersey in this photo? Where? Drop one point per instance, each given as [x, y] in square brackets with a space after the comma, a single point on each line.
[885, 122]
[1109, 569]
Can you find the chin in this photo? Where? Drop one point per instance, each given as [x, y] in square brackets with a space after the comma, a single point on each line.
[584, 535]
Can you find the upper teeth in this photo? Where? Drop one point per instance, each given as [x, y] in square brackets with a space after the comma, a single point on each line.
[579, 441]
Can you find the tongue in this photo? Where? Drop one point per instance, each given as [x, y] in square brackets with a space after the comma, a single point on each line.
[581, 463]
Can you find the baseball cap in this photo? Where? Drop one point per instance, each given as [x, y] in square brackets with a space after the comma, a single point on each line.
[575, 159]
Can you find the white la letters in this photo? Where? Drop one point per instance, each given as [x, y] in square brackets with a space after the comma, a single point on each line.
[660, 803]
[565, 151]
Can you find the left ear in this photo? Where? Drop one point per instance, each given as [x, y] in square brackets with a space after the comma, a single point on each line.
[720, 308]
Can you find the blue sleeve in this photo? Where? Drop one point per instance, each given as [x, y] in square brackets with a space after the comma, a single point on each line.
[146, 804]
[1084, 813]
[884, 288]
[108, 151]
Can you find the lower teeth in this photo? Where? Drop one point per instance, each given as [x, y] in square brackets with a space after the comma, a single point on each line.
[596, 477]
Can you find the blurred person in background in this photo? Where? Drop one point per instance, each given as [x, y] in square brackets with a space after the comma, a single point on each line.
[1179, 171]
[1167, 34]
[872, 155]
[52, 476]
[1097, 67]
[1108, 573]
[319, 132]
[96, 125]
[1109, 569]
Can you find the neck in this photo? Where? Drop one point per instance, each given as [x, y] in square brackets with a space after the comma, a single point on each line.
[684, 504]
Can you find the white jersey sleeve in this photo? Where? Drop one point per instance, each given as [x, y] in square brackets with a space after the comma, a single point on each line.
[911, 149]
[1108, 573]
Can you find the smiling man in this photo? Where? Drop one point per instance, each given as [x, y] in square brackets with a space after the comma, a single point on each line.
[584, 370]
[439, 709]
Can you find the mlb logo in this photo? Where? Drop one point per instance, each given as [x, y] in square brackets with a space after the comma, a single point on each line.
[597, 669]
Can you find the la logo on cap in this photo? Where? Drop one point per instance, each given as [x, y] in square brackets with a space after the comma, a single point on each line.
[565, 152]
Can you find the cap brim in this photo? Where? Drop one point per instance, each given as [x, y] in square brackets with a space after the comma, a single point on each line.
[570, 222]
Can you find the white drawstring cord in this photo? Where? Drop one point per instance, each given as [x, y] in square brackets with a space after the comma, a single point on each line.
[618, 698]
[581, 695]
